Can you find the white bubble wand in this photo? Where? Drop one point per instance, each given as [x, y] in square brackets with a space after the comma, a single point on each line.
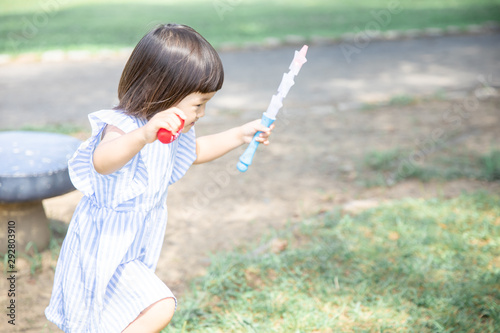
[276, 103]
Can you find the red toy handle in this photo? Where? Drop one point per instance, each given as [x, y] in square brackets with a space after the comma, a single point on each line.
[166, 136]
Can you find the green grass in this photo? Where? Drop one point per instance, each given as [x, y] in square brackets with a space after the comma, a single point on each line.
[382, 160]
[403, 100]
[31, 254]
[381, 168]
[37, 26]
[491, 166]
[409, 266]
[64, 128]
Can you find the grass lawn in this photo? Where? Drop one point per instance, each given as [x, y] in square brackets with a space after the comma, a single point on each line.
[37, 26]
[409, 266]
[381, 167]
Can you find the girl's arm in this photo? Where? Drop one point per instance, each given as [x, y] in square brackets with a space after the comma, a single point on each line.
[211, 147]
[117, 148]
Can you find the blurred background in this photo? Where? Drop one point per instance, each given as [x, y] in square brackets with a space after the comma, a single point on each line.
[376, 207]
[41, 25]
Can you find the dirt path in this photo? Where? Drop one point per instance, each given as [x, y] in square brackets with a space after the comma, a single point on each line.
[66, 92]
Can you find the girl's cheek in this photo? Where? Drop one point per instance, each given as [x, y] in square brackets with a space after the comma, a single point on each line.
[191, 116]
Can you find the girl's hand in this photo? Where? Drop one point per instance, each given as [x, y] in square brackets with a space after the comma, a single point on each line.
[168, 119]
[117, 148]
[249, 129]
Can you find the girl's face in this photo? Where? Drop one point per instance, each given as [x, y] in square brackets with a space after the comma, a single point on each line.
[193, 106]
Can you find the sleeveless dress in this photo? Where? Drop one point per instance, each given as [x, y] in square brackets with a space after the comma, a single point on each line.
[105, 272]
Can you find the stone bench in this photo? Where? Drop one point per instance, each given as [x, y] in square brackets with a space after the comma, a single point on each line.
[33, 167]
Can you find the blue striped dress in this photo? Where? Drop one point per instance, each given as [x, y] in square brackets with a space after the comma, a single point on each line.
[105, 273]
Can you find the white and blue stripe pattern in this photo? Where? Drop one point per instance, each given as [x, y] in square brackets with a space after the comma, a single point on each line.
[105, 272]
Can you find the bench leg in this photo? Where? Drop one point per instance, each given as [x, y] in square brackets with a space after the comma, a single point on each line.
[30, 223]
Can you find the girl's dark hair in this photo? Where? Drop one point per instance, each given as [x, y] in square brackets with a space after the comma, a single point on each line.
[169, 63]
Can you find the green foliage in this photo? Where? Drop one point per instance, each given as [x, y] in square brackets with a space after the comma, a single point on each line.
[414, 265]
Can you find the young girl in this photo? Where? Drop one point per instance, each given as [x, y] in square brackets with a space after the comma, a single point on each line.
[105, 280]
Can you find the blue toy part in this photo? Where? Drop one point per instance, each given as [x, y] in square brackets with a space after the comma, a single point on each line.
[247, 157]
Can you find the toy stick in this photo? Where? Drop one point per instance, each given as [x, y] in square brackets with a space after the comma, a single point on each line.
[276, 103]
